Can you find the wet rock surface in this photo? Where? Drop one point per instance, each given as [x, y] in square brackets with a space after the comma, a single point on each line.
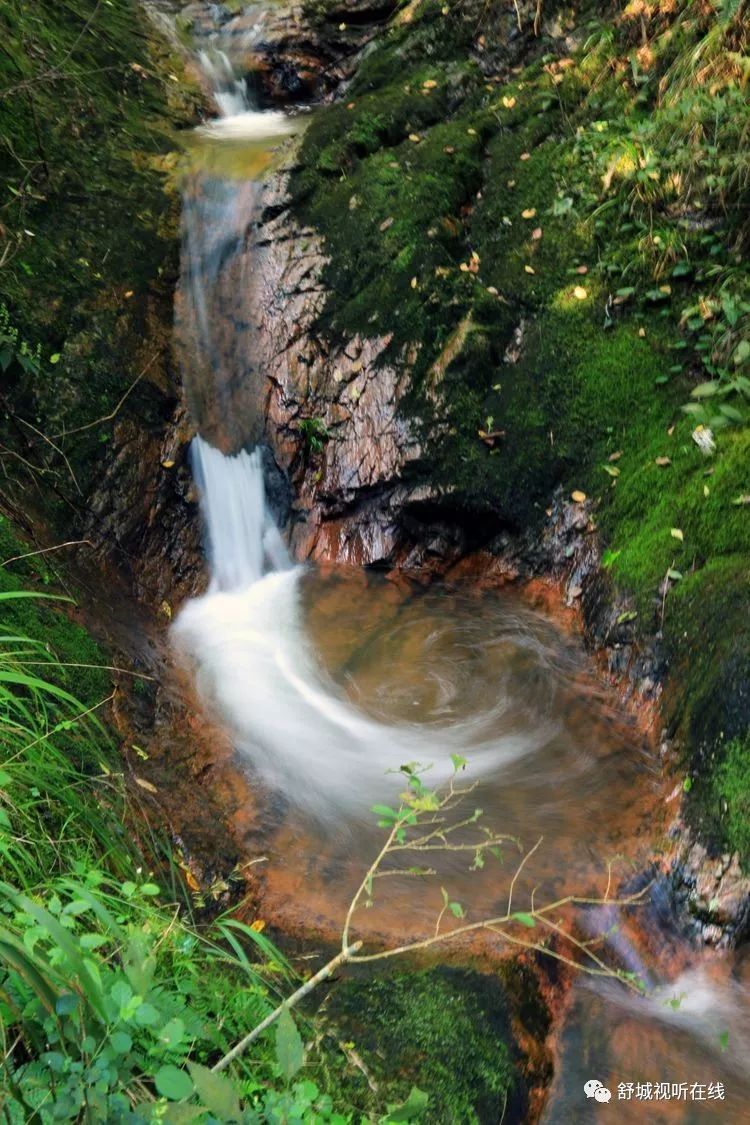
[291, 53]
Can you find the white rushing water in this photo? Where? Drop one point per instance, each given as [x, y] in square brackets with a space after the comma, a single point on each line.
[257, 670]
[238, 118]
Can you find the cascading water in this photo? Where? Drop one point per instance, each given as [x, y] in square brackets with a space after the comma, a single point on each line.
[242, 538]
[219, 199]
[258, 670]
[230, 91]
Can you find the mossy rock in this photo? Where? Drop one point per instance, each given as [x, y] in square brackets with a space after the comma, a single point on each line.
[466, 217]
[446, 1031]
[92, 219]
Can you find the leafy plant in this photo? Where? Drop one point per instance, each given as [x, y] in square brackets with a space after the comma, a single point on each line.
[315, 434]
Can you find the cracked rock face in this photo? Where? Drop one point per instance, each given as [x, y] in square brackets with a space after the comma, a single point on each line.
[329, 414]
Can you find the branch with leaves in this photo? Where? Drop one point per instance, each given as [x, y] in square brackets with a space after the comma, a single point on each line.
[429, 821]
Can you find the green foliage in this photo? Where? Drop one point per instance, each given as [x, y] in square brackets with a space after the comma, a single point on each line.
[315, 434]
[113, 1006]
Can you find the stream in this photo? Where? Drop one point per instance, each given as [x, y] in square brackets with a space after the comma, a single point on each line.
[329, 679]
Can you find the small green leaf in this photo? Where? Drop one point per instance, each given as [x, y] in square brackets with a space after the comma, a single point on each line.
[55, 358]
[524, 919]
[173, 1083]
[147, 1015]
[387, 814]
[92, 941]
[410, 1110]
[66, 1003]
[289, 1048]
[706, 390]
[741, 353]
[216, 1092]
[675, 575]
[120, 1042]
[172, 1033]
[687, 784]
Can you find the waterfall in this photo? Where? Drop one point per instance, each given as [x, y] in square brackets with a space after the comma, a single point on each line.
[243, 541]
[239, 118]
[255, 666]
[230, 91]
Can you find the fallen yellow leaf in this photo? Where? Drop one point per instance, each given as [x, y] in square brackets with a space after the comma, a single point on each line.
[146, 785]
[536, 234]
[167, 464]
[415, 137]
[429, 84]
[642, 332]
[662, 461]
[676, 533]
[258, 926]
[529, 269]
[578, 496]
[414, 283]
[525, 156]
[580, 293]
[529, 213]
[509, 102]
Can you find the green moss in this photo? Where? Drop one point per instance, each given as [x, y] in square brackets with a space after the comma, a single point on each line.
[446, 1031]
[732, 792]
[87, 131]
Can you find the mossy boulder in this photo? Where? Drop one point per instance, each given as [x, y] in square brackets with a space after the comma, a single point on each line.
[447, 1031]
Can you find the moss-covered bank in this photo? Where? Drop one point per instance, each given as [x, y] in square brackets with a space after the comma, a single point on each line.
[90, 99]
[550, 227]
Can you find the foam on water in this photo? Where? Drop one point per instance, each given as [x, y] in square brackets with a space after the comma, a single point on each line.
[256, 668]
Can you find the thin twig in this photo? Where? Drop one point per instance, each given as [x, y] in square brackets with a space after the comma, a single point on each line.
[56, 449]
[46, 550]
[109, 417]
[307, 987]
[519, 869]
